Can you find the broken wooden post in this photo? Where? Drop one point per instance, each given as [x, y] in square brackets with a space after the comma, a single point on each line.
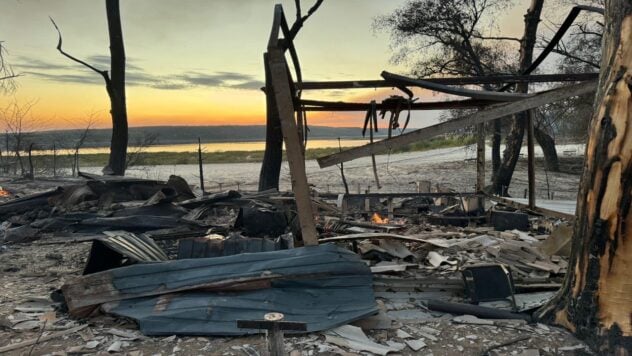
[293, 146]
[200, 164]
[342, 170]
[531, 158]
[272, 156]
[274, 325]
[390, 209]
[480, 157]
[54, 160]
[480, 164]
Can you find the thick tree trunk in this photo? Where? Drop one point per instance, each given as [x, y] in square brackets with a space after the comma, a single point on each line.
[116, 90]
[547, 143]
[496, 141]
[595, 301]
[273, 155]
[502, 177]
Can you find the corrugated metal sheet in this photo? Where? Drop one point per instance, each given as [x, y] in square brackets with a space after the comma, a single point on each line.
[139, 248]
[324, 286]
[116, 248]
[212, 246]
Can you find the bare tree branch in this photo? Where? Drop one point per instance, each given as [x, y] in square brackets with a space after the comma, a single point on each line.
[499, 38]
[7, 84]
[301, 20]
[103, 73]
[565, 53]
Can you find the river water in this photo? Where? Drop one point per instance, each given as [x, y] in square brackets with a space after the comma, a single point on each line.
[219, 146]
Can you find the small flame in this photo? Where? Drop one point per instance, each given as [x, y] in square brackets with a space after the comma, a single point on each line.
[4, 193]
[377, 219]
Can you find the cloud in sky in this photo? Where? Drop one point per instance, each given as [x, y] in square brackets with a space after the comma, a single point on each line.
[135, 75]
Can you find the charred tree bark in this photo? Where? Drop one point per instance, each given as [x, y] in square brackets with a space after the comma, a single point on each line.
[30, 174]
[595, 301]
[114, 85]
[273, 155]
[502, 177]
[496, 141]
[547, 143]
[116, 91]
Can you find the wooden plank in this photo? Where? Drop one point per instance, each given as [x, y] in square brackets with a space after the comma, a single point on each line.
[442, 88]
[269, 325]
[293, 150]
[480, 157]
[379, 235]
[482, 116]
[531, 158]
[85, 293]
[492, 79]
[536, 209]
[321, 105]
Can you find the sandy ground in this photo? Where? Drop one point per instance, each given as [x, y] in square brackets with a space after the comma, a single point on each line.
[455, 167]
[33, 271]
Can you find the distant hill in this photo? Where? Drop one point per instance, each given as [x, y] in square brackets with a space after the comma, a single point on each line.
[170, 135]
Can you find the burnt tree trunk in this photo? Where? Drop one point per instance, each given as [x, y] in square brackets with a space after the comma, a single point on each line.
[273, 155]
[116, 91]
[30, 174]
[595, 301]
[496, 141]
[513, 143]
[547, 143]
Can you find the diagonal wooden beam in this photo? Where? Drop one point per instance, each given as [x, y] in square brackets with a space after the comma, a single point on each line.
[491, 113]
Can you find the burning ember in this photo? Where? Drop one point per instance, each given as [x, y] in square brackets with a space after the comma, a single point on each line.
[377, 219]
[4, 193]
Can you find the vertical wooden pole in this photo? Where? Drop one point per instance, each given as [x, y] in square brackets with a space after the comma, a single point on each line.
[342, 170]
[480, 164]
[531, 158]
[480, 157]
[293, 150]
[272, 156]
[276, 347]
[54, 160]
[200, 164]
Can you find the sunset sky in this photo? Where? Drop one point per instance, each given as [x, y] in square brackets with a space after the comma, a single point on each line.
[193, 62]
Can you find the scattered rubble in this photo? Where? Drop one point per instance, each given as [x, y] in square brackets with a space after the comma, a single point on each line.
[138, 258]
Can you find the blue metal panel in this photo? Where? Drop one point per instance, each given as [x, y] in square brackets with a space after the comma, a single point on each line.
[323, 286]
[162, 277]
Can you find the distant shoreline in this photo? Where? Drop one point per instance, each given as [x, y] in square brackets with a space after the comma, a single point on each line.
[177, 158]
[181, 135]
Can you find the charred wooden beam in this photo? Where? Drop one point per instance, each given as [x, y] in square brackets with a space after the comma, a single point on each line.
[442, 88]
[320, 105]
[489, 114]
[492, 79]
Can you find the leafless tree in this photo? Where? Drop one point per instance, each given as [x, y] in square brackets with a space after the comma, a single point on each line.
[504, 173]
[18, 123]
[449, 37]
[137, 152]
[7, 75]
[115, 86]
[89, 123]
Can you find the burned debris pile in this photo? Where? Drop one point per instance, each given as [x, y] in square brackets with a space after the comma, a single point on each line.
[177, 264]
